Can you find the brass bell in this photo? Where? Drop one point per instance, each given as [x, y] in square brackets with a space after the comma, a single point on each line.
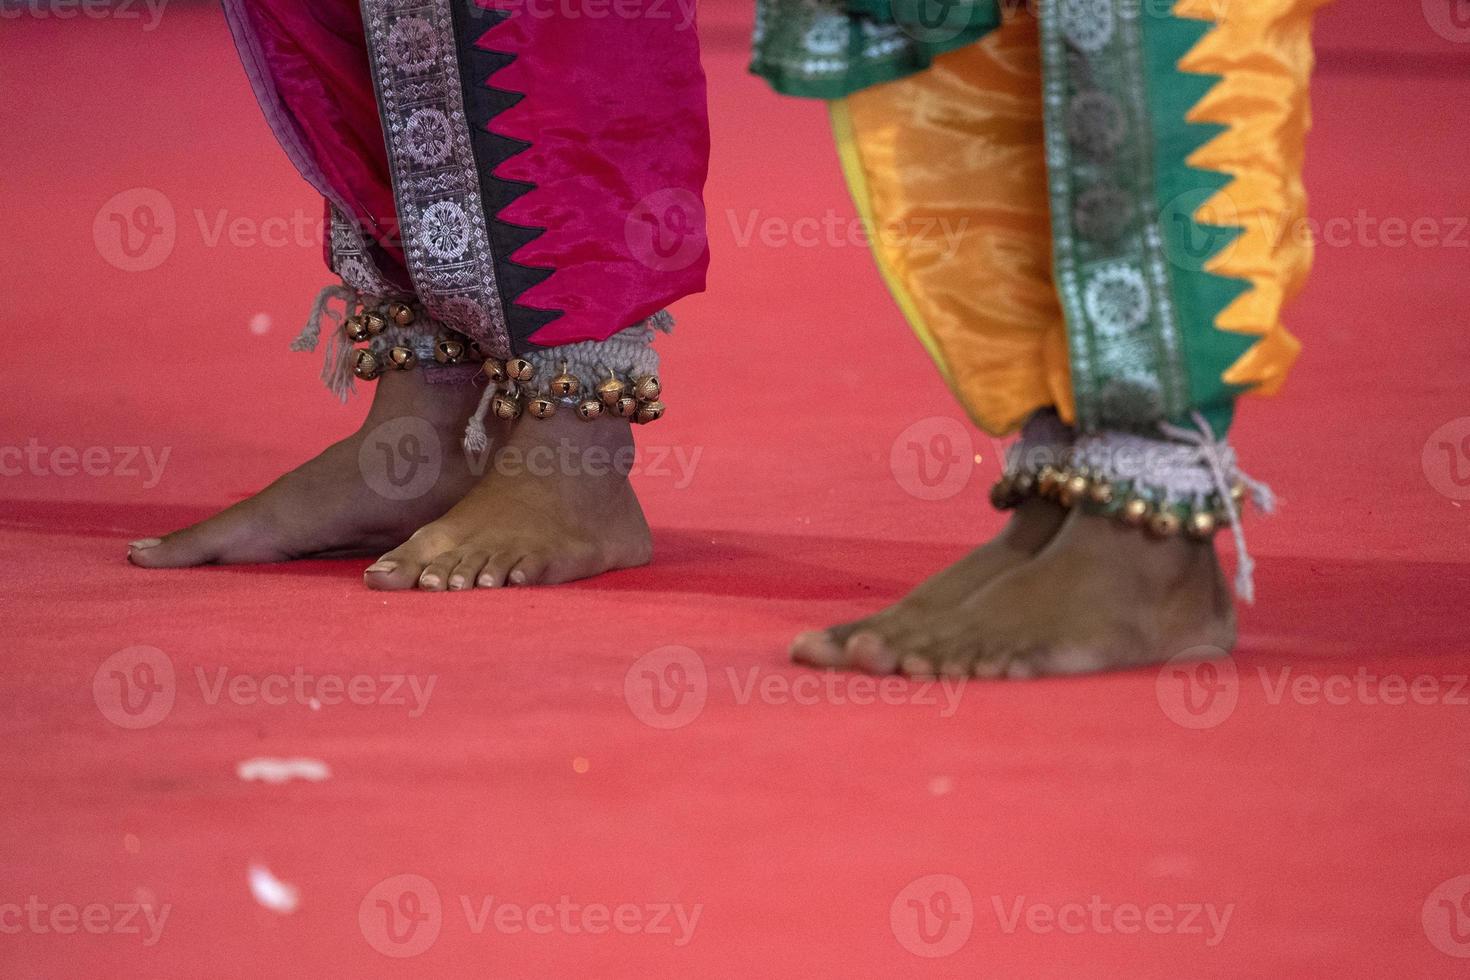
[376, 323]
[541, 407]
[565, 385]
[1164, 523]
[401, 313]
[589, 409]
[1047, 481]
[1074, 491]
[366, 365]
[1134, 512]
[506, 408]
[493, 370]
[1100, 493]
[647, 388]
[610, 391]
[355, 329]
[1024, 484]
[625, 408]
[1202, 525]
[1003, 494]
[448, 351]
[402, 357]
[520, 370]
[1237, 494]
[649, 412]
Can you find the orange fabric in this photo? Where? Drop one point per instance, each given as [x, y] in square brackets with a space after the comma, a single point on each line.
[961, 144]
[1263, 50]
[955, 174]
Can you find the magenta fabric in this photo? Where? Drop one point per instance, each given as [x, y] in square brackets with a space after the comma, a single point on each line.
[614, 109]
[616, 117]
[309, 64]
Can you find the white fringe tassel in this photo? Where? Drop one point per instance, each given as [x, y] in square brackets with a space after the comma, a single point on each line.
[475, 439]
[337, 359]
[1219, 457]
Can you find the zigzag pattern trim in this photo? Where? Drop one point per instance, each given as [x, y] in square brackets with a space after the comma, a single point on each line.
[1258, 58]
[480, 61]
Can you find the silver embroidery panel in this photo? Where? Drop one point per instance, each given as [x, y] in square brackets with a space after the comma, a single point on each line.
[1125, 351]
[353, 261]
[436, 183]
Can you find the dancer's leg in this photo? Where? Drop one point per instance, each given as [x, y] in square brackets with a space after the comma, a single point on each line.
[507, 277]
[1167, 320]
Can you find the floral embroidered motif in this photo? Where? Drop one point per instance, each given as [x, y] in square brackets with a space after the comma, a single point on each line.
[1088, 24]
[1117, 300]
[436, 181]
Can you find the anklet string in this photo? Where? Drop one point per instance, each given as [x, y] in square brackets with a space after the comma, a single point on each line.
[1218, 456]
[1190, 483]
[616, 377]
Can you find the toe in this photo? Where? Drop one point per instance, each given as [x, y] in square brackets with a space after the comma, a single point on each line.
[496, 568]
[400, 568]
[528, 571]
[916, 666]
[817, 648]
[867, 651]
[990, 667]
[464, 574]
[435, 576]
[195, 545]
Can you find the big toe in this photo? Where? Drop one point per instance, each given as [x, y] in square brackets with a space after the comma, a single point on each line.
[402, 567]
[197, 545]
[817, 648]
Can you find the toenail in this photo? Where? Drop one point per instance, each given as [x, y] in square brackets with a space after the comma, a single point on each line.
[457, 582]
[382, 566]
[429, 581]
[145, 543]
[486, 581]
[518, 577]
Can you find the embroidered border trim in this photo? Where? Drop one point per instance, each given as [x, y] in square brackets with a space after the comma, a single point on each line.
[353, 260]
[1112, 269]
[412, 50]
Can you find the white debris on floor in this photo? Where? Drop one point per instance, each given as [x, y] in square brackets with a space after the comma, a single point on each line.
[271, 892]
[266, 770]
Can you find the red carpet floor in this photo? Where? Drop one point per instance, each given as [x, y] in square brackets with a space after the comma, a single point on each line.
[560, 818]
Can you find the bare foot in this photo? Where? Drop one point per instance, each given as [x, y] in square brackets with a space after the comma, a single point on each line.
[554, 504]
[363, 494]
[1098, 597]
[905, 626]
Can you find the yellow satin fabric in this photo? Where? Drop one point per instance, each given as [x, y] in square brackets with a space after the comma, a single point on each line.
[958, 148]
[1263, 50]
[948, 166]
